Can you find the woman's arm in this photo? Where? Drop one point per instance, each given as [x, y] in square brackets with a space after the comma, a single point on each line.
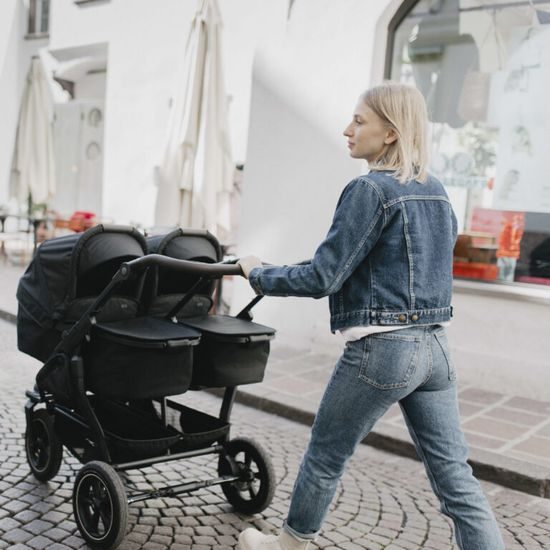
[356, 227]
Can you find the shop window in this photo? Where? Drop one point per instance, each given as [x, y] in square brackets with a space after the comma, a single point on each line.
[39, 18]
[484, 68]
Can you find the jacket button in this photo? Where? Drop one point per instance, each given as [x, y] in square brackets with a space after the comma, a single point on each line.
[414, 317]
[402, 318]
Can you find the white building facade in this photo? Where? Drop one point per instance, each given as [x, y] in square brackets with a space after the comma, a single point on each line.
[122, 57]
[294, 70]
[465, 55]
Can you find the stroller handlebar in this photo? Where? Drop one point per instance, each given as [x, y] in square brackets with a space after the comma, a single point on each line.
[127, 269]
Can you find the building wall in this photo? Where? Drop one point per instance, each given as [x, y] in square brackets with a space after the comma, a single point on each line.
[15, 58]
[91, 86]
[304, 90]
[307, 73]
[501, 344]
[146, 43]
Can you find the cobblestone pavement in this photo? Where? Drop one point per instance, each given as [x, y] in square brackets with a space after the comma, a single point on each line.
[383, 501]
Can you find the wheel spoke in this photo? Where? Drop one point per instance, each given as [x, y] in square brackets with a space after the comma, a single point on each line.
[38, 445]
[38, 455]
[105, 517]
[95, 520]
[248, 461]
[87, 501]
[96, 488]
[252, 492]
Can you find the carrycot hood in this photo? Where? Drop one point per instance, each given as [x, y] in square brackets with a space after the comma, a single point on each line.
[50, 281]
[183, 244]
[186, 244]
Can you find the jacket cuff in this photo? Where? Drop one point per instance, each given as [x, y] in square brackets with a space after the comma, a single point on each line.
[254, 280]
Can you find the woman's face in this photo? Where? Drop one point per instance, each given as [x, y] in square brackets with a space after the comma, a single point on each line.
[367, 134]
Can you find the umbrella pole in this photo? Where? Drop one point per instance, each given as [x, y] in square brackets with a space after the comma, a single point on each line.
[32, 222]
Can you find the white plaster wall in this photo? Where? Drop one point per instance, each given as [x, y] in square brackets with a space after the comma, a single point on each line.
[502, 345]
[305, 89]
[303, 93]
[91, 86]
[9, 29]
[15, 56]
[74, 25]
[146, 43]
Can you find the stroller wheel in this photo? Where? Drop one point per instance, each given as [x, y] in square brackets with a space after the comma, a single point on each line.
[254, 490]
[43, 449]
[100, 505]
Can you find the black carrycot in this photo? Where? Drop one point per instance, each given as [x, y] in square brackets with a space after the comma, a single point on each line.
[139, 358]
[165, 287]
[64, 278]
[231, 351]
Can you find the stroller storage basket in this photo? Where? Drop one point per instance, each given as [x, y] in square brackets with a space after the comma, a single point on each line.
[139, 358]
[199, 430]
[231, 352]
[130, 434]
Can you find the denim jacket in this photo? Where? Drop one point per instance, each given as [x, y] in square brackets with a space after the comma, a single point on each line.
[386, 260]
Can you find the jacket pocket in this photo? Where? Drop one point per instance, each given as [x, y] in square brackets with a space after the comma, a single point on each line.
[441, 337]
[389, 360]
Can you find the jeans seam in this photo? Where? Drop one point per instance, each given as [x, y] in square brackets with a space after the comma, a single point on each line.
[420, 451]
[301, 537]
[334, 375]
[396, 336]
[430, 361]
[451, 371]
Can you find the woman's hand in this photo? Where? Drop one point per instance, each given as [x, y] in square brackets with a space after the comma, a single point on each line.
[248, 263]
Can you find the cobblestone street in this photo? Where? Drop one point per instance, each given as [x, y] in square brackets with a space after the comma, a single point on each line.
[384, 501]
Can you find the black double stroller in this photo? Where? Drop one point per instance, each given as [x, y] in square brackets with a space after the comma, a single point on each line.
[121, 323]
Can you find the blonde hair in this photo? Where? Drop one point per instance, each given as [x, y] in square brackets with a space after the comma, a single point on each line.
[403, 109]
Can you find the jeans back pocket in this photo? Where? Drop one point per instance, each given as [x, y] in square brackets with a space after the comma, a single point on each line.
[389, 360]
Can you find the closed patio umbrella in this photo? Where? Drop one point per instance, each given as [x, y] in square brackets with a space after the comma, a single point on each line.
[195, 177]
[33, 166]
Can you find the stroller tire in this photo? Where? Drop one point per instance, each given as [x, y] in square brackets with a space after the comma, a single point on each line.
[253, 492]
[100, 505]
[43, 449]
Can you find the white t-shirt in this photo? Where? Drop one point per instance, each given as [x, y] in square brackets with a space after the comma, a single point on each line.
[356, 333]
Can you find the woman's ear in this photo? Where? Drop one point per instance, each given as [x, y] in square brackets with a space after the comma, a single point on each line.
[391, 136]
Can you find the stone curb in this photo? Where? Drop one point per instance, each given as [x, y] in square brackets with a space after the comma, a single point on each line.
[508, 472]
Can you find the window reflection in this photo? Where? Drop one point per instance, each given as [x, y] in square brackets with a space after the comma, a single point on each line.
[484, 69]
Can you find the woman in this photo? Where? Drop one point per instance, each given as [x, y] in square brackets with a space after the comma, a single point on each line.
[386, 265]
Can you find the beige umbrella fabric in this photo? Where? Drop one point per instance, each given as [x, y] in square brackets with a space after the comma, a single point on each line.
[33, 166]
[196, 173]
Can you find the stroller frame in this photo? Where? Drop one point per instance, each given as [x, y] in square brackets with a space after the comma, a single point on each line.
[44, 447]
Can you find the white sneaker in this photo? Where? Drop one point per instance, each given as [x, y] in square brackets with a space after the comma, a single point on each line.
[252, 539]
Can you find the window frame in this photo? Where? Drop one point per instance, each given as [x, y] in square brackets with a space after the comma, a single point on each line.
[34, 23]
[84, 2]
[399, 16]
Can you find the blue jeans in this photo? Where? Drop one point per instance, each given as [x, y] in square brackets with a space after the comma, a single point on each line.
[412, 367]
